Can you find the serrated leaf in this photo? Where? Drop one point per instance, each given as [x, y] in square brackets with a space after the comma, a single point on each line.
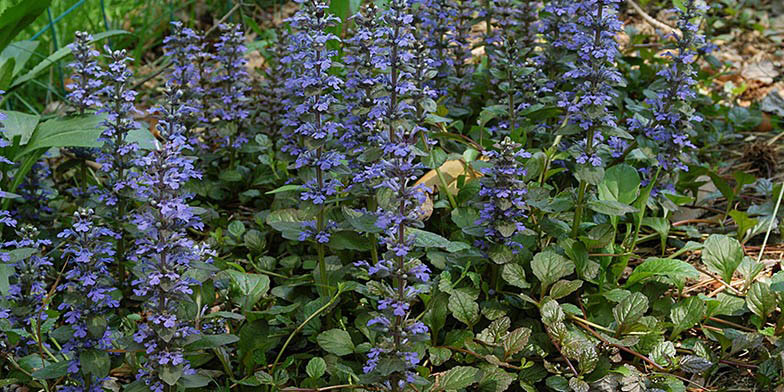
[495, 331]
[336, 341]
[686, 314]
[457, 378]
[514, 274]
[722, 255]
[439, 355]
[552, 313]
[316, 367]
[695, 364]
[664, 353]
[549, 266]
[676, 271]
[578, 385]
[630, 310]
[562, 288]
[515, 341]
[761, 300]
[494, 379]
[463, 307]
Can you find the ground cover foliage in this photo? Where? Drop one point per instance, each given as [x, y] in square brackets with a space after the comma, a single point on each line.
[408, 195]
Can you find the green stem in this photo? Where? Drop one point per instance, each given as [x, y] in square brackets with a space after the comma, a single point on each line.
[302, 325]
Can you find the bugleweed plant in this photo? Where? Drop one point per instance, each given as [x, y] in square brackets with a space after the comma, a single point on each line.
[410, 195]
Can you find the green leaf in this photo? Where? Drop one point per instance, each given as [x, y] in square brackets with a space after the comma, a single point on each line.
[686, 314]
[287, 221]
[170, 374]
[251, 286]
[458, 377]
[58, 55]
[15, 16]
[552, 312]
[95, 362]
[630, 310]
[336, 341]
[426, 239]
[236, 228]
[562, 288]
[19, 124]
[78, 131]
[52, 370]
[664, 353]
[286, 188]
[761, 300]
[194, 381]
[549, 266]
[316, 367]
[20, 52]
[722, 255]
[6, 271]
[611, 207]
[676, 271]
[515, 341]
[514, 274]
[744, 222]
[621, 183]
[212, 341]
[463, 306]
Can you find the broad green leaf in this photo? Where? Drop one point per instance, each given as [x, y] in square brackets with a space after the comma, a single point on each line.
[15, 16]
[578, 385]
[427, 239]
[170, 374]
[336, 341]
[621, 183]
[212, 341]
[316, 367]
[695, 364]
[194, 381]
[286, 188]
[686, 314]
[552, 312]
[439, 355]
[6, 270]
[59, 54]
[722, 255]
[19, 124]
[79, 131]
[20, 51]
[676, 271]
[458, 377]
[52, 370]
[761, 300]
[750, 268]
[744, 222]
[236, 228]
[664, 353]
[95, 362]
[515, 341]
[494, 379]
[630, 310]
[251, 287]
[611, 207]
[514, 274]
[463, 306]
[495, 331]
[549, 266]
[563, 287]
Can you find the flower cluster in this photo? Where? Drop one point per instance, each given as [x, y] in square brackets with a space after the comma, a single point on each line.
[24, 303]
[460, 47]
[503, 211]
[118, 152]
[231, 84]
[593, 75]
[316, 92]
[164, 252]
[397, 170]
[87, 300]
[85, 90]
[671, 118]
